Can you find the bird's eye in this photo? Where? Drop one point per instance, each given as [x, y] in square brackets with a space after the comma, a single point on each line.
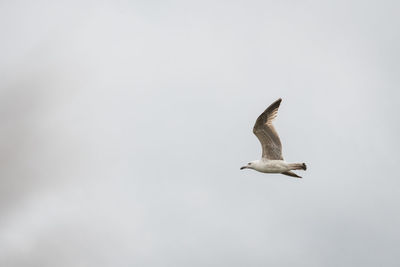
[249, 163]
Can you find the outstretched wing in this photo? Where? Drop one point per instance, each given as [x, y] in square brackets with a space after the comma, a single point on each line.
[266, 133]
[289, 173]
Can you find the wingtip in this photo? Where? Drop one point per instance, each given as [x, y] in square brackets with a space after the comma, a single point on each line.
[278, 101]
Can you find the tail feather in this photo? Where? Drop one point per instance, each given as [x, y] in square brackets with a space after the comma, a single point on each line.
[298, 166]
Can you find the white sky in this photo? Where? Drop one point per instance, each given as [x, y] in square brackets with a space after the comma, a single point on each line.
[125, 125]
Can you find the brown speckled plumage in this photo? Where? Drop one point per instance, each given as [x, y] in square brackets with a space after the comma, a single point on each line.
[266, 133]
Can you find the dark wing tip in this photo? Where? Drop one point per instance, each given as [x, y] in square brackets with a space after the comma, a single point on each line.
[278, 101]
[274, 105]
[262, 119]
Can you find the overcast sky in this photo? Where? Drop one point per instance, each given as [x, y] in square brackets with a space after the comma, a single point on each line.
[125, 123]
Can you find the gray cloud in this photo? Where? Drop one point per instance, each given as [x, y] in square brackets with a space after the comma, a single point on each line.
[125, 124]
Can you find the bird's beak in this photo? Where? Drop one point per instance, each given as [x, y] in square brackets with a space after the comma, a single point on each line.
[244, 167]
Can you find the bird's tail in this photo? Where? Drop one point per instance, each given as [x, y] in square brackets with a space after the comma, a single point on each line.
[298, 166]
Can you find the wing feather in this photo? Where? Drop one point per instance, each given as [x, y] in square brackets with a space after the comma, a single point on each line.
[266, 133]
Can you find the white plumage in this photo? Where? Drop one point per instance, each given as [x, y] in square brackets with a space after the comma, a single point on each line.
[271, 160]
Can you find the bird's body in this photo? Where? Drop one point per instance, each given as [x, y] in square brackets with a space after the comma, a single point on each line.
[272, 160]
[270, 166]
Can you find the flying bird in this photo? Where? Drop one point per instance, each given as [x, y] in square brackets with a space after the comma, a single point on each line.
[271, 160]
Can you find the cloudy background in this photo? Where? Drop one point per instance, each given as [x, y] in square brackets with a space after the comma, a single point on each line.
[124, 125]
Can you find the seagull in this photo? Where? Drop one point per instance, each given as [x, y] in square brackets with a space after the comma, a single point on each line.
[271, 160]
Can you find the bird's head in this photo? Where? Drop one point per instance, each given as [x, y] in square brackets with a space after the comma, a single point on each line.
[250, 165]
